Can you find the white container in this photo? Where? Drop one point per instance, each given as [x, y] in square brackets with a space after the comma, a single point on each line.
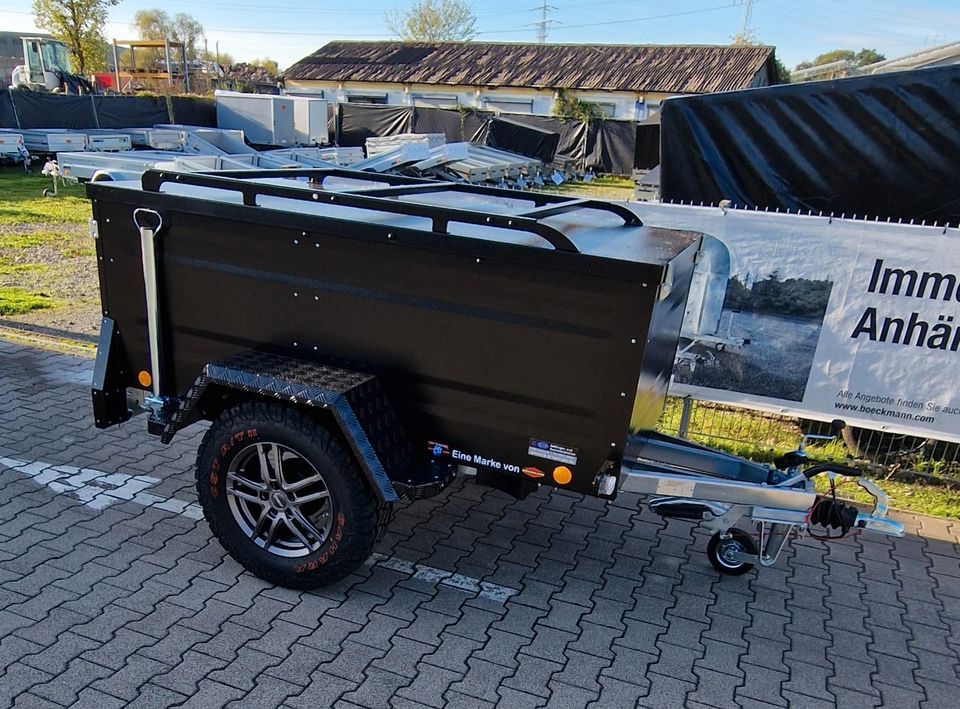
[310, 120]
[264, 119]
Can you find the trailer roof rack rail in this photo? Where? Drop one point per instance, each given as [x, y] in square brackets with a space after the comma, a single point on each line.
[381, 198]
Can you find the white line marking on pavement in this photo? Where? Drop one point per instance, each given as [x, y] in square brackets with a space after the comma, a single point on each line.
[98, 490]
[435, 576]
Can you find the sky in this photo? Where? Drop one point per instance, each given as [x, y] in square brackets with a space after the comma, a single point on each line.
[287, 30]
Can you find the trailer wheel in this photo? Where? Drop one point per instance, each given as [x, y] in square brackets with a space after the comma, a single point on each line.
[723, 552]
[285, 498]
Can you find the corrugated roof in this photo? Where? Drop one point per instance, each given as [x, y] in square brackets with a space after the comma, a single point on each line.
[655, 68]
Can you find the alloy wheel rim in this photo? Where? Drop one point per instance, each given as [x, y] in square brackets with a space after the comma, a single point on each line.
[279, 499]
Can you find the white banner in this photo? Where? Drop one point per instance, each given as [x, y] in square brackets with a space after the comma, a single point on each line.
[822, 318]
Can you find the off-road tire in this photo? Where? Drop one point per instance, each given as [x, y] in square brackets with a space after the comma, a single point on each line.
[359, 518]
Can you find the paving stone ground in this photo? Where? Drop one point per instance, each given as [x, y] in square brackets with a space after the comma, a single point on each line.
[112, 593]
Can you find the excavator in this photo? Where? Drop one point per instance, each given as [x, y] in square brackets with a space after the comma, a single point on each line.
[42, 64]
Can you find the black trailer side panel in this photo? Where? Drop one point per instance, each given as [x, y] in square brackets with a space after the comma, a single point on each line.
[499, 356]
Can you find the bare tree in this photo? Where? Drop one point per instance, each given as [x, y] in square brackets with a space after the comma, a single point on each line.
[433, 21]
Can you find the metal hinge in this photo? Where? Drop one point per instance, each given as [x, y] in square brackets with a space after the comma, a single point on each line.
[666, 287]
[94, 229]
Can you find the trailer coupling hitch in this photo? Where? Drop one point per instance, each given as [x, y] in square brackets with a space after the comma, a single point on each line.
[834, 514]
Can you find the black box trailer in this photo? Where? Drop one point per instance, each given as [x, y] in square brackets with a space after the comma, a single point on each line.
[357, 339]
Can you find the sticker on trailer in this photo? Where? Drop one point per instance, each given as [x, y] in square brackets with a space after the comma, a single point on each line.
[552, 451]
[438, 450]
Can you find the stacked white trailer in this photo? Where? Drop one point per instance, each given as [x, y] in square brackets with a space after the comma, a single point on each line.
[265, 119]
[13, 150]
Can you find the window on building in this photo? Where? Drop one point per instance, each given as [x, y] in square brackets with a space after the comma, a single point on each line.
[367, 98]
[435, 100]
[508, 105]
[607, 110]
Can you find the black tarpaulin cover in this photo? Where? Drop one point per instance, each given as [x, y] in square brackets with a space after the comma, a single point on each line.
[361, 121]
[880, 146]
[8, 118]
[130, 111]
[194, 111]
[610, 146]
[646, 154]
[606, 146]
[573, 134]
[516, 137]
[37, 110]
[45, 110]
[459, 126]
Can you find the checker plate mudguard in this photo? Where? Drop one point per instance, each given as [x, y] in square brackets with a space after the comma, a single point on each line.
[355, 400]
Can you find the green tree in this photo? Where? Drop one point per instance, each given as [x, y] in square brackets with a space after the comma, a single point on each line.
[151, 24]
[189, 31]
[433, 21]
[867, 56]
[79, 25]
[157, 24]
[567, 105]
[267, 63]
[222, 58]
[857, 59]
[781, 73]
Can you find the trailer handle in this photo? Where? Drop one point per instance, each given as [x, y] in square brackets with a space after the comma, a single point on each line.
[148, 253]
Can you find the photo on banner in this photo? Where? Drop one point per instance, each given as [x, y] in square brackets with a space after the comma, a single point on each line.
[822, 318]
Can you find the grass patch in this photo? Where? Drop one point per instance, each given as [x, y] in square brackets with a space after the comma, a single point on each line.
[79, 253]
[17, 301]
[28, 241]
[916, 497]
[605, 187]
[22, 200]
[12, 269]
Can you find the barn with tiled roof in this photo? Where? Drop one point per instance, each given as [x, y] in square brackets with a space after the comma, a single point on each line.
[624, 81]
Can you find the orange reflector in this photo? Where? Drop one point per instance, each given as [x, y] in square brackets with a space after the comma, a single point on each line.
[145, 379]
[562, 475]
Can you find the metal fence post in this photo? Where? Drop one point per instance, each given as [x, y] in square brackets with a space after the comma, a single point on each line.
[687, 407]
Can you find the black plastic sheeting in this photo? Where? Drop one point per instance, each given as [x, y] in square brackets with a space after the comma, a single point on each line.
[36, 110]
[43, 110]
[610, 146]
[8, 119]
[879, 146]
[361, 121]
[130, 111]
[516, 137]
[573, 135]
[646, 155]
[194, 111]
[458, 126]
[605, 146]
